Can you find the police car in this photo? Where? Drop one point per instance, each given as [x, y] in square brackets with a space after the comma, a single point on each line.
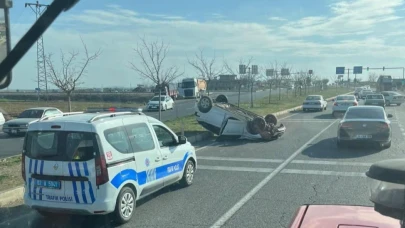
[101, 163]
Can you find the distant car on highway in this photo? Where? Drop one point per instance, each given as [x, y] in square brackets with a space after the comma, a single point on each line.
[19, 125]
[363, 93]
[365, 124]
[314, 102]
[166, 102]
[375, 99]
[225, 119]
[392, 97]
[342, 103]
[357, 91]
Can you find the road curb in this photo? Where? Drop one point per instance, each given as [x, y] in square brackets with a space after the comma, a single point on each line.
[300, 107]
[9, 196]
[12, 195]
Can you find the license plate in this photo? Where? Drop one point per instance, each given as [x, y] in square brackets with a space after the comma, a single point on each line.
[14, 131]
[48, 184]
[364, 136]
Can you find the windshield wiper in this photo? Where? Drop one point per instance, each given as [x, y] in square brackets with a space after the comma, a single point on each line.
[33, 34]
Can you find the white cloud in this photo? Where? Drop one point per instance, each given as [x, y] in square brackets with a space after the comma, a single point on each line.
[217, 15]
[116, 32]
[277, 19]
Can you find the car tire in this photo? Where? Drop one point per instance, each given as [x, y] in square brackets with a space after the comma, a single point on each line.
[270, 119]
[387, 103]
[126, 196]
[321, 109]
[324, 108]
[165, 107]
[334, 114]
[205, 104]
[221, 99]
[188, 174]
[388, 145]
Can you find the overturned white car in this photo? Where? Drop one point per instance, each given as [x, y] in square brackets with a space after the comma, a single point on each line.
[225, 119]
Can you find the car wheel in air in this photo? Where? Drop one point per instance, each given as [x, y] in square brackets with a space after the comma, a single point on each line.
[270, 119]
[188, 174]
[388, 145]
[125, 205]
[205, 104]
[258, 125]
[221, 99]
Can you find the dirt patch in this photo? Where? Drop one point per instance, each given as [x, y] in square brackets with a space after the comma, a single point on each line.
[10, 173]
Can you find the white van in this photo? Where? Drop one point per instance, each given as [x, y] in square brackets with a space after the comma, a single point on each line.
[101, 163]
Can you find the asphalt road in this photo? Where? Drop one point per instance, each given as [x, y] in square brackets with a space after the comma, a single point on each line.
[254, 184]
[10, 146]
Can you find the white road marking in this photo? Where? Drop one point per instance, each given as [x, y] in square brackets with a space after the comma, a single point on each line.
[240, 159]
[263, 160]
[211, 144]
[288, 116]
[323, 172]
[230, 168]
[284, 171]
[225, 217]
[308, 121]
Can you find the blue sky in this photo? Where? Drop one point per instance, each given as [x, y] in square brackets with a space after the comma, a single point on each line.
[310, 34]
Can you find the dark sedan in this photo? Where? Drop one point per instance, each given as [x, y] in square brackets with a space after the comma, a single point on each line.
[375, 100]
[365, 124]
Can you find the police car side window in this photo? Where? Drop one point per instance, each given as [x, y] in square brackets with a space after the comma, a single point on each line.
[118, 139]
[140, 137]
[164, 136]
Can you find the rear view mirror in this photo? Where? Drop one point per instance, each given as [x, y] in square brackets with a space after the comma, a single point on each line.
[390, 116]
[5, 42]
[182, 139]
[9, 58]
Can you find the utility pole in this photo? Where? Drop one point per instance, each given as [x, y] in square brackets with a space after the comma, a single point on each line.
[42, 79]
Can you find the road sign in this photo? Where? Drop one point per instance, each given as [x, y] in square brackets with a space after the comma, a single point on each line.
[255, 69]
[310, 72]
[340, 70]
[242, 69]
[357, 70]
[269, 72]
[37, 89]
[285, 71]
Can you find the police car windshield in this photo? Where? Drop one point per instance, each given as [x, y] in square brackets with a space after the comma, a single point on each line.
[31, 114]
[60, 145]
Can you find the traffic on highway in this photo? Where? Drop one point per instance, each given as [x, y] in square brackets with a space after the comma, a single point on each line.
[178, 114]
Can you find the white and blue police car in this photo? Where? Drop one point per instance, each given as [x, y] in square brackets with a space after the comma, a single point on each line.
[101, 163]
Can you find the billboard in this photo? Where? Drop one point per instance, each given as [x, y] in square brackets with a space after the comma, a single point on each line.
[357, 70]
[285, 71]
[340, 70]
[255, 69]
[242, 69]
[269, 72]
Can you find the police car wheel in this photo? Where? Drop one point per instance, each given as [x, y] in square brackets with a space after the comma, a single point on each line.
[125, 206]
[188, 174]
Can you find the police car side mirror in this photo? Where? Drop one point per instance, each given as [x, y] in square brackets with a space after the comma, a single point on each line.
[182, 139]
[390, 115]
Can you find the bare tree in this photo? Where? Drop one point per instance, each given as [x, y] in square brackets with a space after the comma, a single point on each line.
[69, 76]
[206, 67]
[372, 77]
[151, 65]
[244, 79]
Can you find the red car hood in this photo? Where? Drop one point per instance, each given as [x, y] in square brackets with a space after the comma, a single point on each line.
[336, 216]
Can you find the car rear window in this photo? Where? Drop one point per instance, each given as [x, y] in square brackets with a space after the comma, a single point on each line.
[60, 145]
[365, 113]
[31, 114]
[375, 96]
[345, 98]
[313, 98]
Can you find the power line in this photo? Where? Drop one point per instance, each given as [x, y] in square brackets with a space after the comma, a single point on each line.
[42, 79]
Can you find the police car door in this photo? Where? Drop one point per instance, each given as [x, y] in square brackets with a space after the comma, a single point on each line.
[173, 154]
[148, 158]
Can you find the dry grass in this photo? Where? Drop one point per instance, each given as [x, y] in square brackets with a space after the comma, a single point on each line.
[13, 108]
[262, 106]
[186, 123]
[10, 173]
